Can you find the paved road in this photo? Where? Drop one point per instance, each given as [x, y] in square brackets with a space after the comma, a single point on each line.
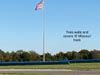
[34, 70]
[52, 71]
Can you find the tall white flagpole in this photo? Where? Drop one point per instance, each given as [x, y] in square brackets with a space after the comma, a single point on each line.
[41, 5]
[44, 22]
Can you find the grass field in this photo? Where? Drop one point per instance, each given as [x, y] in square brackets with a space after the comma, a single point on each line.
[67, 73]
[75, 66]
[25, 74]
[31, 74]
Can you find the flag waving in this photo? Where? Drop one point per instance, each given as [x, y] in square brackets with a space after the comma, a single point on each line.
[39, 5]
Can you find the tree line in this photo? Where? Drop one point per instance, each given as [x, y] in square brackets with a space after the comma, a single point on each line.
[21, 55]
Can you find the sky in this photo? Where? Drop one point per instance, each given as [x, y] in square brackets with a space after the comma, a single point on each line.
[21, 27]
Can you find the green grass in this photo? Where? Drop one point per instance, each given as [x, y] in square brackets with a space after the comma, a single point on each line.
[30, 74]
[75, 66]
[36, 73]
[84, 66]
[40, 73]
[24, 74]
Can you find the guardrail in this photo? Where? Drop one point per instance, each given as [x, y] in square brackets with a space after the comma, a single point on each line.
[50, 62]
[85, 61]
[34, 63]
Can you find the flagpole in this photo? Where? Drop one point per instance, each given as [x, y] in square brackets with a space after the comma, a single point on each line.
[43, 13]
[41, 5]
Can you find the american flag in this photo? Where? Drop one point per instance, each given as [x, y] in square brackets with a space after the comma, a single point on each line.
[39, 5]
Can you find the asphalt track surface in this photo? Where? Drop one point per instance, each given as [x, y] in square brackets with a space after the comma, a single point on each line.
[34, 70]
[52, 71]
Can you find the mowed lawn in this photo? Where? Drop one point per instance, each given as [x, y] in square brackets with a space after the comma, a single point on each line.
[26, 74]
[74, 66]
[36, 74]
